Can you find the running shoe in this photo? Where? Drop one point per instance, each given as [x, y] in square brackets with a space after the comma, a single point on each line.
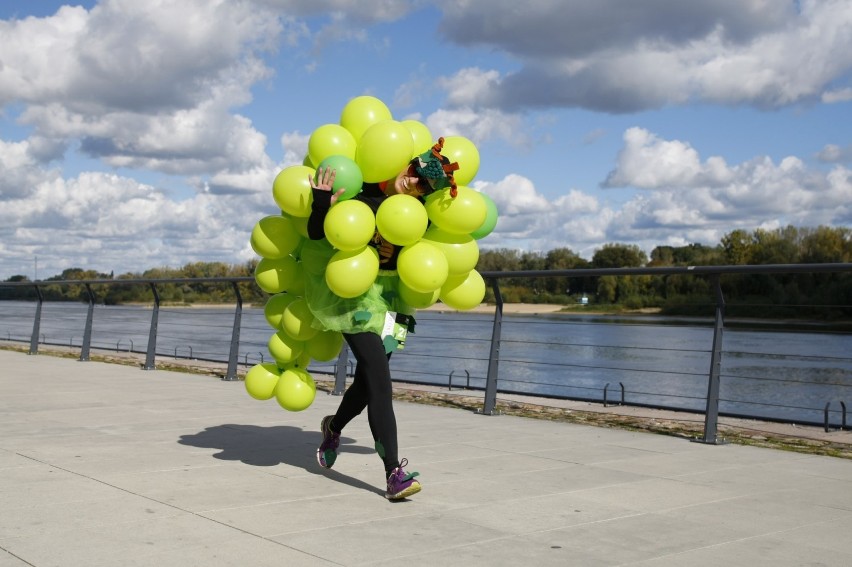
[402, 484]
[327, 451]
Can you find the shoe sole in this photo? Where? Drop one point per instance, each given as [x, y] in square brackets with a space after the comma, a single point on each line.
[410, 491]
[319, 460]
[320, 451]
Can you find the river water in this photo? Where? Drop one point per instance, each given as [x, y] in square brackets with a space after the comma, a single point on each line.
[774, 374]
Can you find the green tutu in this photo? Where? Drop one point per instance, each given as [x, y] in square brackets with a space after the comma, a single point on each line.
[364, 313]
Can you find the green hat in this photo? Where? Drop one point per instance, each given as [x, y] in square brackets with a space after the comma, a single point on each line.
[436, 169]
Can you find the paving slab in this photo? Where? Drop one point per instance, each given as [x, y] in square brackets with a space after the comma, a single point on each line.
[105, 464]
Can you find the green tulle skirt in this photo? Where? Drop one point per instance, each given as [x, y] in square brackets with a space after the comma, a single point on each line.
[364, 313]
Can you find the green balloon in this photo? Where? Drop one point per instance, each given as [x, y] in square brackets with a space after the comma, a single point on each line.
[261, 380]
[315, 255]
[490, 219]
[274, 308]
[274, 237]
[329, 140]
[325, 345]
[347, 175]
[295, 390]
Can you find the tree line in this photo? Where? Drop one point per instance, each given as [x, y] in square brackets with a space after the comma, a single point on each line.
[827, 295]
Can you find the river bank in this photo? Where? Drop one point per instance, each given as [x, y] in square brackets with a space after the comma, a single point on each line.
[508, 308]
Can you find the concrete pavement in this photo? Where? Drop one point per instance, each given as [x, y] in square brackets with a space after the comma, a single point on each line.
[104, 465]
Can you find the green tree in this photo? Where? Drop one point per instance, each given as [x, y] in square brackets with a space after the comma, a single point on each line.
[619, 256]
[611, 289]
[565, 259]
[737, 246]
[826, 245]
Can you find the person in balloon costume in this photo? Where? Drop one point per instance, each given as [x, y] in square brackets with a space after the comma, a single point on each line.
[374, 322]
[378, 221]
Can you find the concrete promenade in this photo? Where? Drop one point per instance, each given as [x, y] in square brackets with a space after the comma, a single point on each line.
[109, 465]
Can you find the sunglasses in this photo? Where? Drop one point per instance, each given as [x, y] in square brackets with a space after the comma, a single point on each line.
[422, 184]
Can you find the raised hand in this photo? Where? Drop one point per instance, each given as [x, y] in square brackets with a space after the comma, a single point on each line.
[325, 181]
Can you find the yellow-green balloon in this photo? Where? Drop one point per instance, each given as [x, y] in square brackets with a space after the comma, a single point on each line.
[297, 284]
[273, 311]
[303, 361]
[325, 345]
[296, 390]
[461, 150]
[314, 256]
[362, 112]
[384, 150]
[300, 224]
[350, 273]
[297, 320]
[331, 140]
[421, 135]
[274, 237]
[284, 348]
[418, 299]
[261, 380]
[291, 190]
[460, 215]
[401, 219]
[464, 291]
[461, 250]
[490, 221]
[274, 275]
[422, 267]
[349, 225]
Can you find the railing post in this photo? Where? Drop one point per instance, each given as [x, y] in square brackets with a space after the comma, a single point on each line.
[87, 332]
[152, 333]
[490, 402]
[235, 336]
[340, 371]
[36, 322]
[711, 415]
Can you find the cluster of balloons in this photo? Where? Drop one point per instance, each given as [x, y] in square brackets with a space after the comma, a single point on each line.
[438, 239]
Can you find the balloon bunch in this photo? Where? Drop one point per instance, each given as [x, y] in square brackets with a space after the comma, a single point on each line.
[438, 239]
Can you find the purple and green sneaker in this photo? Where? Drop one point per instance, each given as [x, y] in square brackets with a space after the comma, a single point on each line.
[402, 484]
[327, 451]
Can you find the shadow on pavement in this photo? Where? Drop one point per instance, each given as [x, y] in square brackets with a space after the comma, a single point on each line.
[271, 446]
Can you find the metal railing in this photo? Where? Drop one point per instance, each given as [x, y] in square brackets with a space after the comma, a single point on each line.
[342, 368]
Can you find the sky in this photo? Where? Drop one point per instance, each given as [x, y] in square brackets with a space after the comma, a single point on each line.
[137, 135]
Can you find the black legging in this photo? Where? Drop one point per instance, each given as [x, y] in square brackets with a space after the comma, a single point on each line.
[371, 389]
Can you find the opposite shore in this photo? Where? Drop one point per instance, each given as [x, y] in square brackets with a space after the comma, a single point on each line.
[508, 308]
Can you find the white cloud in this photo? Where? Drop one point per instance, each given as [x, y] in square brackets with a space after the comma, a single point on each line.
[618, 57]
[158, 86]
[832, 153]
[837, 95]
[648, 162]
[20, 169]
[106, 222]
[516, 196]
[147, 85]
[682, 200]
[479, 126]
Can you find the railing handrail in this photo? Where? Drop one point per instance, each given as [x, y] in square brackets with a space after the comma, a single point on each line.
[567, 273]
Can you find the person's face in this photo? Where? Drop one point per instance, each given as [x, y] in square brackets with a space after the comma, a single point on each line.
[408, 183]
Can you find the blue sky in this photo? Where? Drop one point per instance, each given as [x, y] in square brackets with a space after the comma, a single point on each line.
[146, 134]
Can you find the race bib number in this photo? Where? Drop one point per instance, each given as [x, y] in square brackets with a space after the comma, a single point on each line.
[394, 331]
